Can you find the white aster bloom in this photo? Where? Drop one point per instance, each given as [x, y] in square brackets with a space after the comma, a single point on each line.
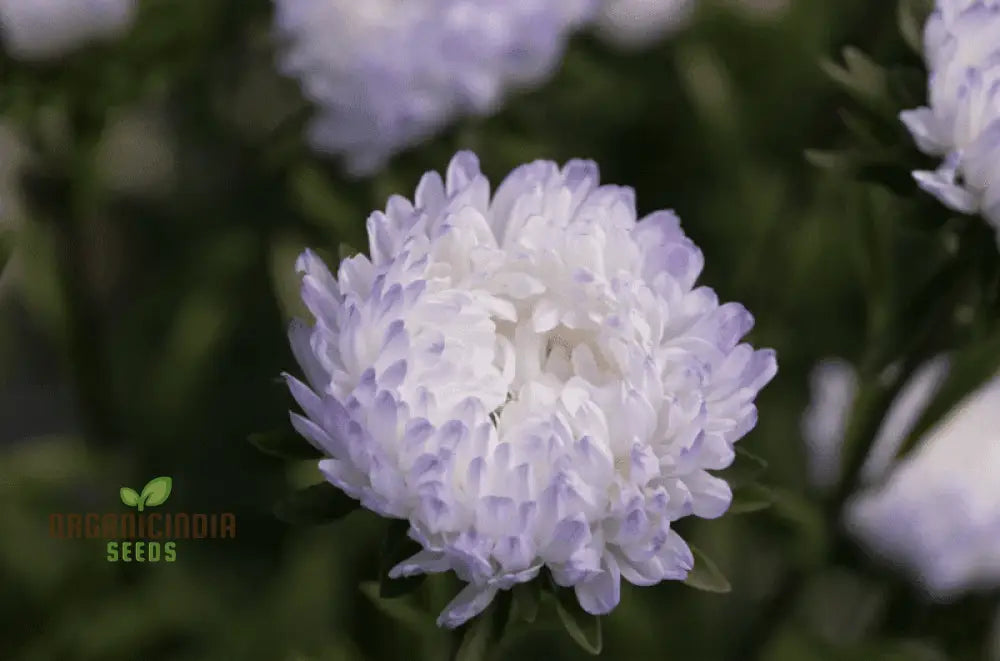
[41, 29]
[961, 124]
[531, 378]
[833, 387]
[386, 74]
[938, 515]
[639, 23]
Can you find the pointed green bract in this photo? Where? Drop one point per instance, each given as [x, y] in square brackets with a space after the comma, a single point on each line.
[129, 496]
[155, 492]
[705, 575]
[314, 505]
[751, 498]
[582, 627]
[396, 547]
[526, 597]
[481, 636]
[911, 17]
[403, 611]
[744, 470]
[285, 444]
[861, 77]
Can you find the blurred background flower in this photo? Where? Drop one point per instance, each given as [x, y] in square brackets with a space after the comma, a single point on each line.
[36, 30]
[639, 23]
[385, 75]
[938, 514]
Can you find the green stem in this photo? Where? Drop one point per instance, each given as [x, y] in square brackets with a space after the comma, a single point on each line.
[85, 334]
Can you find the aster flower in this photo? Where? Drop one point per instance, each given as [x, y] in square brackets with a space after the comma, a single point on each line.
[833, 387]
[639, 23]
[385, 74]
[41, 29]
[938, 515]
[962, 122]
[531, 378]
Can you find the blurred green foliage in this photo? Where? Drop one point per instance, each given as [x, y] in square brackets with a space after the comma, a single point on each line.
[163, 197]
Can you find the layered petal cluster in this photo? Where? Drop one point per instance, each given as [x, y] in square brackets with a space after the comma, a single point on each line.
[961, 124]
[529, 376]
[386, 74]
[41, 29]
[936, 514]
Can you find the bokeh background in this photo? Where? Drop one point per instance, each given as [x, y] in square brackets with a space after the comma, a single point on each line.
[143, 316]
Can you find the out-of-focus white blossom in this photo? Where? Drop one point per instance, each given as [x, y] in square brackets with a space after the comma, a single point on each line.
[833, 387]
[41, 29]
[961, 123]
[531, 378]
[938, 514]
[386, 74]
[638, 23]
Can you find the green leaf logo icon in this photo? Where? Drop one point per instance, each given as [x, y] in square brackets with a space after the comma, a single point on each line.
[129, 496]
[154, 493]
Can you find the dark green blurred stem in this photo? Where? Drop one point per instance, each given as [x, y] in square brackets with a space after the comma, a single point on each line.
[85, 336]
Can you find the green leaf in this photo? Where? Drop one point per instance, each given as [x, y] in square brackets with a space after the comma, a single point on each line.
[129, 496]
[862, 78]
[284, 250]
[526, 598]
[878, 166]
[911, 16]
[403, 611]
[396, 547]
[155, 492]
[582, 627]
[907, 89]
[751, 498]
[321, 203]
[744, 470]
[285, 444]
[804, 523]
[891, 175]
[705, 575]
[864, 130]
[925, 313]
[483, 634]
[476, 641]
[315, 505]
